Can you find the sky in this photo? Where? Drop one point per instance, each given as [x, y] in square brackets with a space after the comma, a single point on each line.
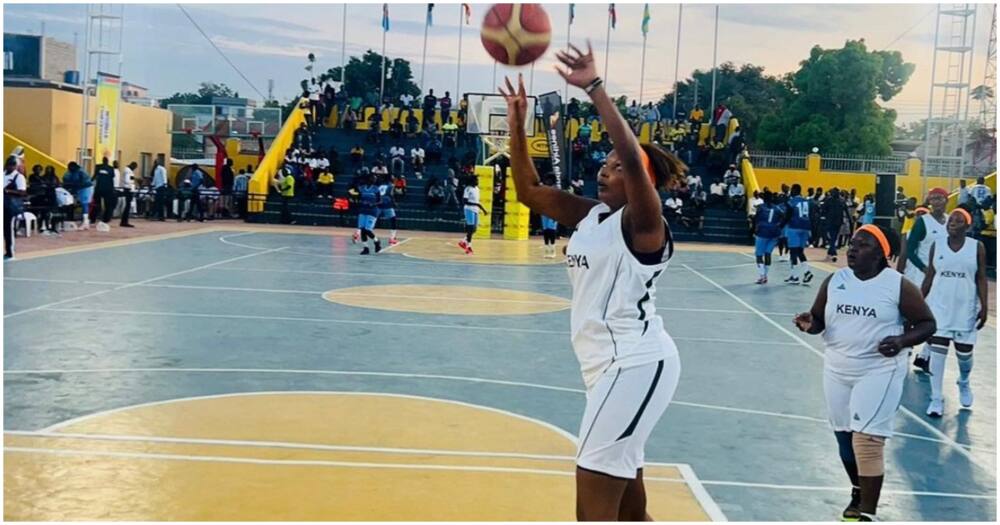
[166, 53]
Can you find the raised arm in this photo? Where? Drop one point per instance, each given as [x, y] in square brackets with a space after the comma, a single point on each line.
[642, 216]
[564, 207]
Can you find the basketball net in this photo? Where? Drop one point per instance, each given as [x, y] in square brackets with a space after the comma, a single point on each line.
[499, 146]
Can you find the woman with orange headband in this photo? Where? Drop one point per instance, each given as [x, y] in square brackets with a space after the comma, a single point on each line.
[621, 247]
[868, 314]
[956, 290]
[926, 230]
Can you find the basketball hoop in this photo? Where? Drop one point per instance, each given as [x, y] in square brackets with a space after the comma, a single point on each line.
[488, 119]
[255, 134]
[189, 131]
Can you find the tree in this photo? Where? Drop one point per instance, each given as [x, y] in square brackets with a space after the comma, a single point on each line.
[206, 90]
[747, 92]
[833, 106]
[363, 76]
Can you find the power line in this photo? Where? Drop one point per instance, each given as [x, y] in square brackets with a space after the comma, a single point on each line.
[224, 57]
[901, 35]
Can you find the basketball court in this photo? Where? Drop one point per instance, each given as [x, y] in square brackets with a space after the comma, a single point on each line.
[238, 373]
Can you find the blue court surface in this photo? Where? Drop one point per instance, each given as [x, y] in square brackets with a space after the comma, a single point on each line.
[113, 348]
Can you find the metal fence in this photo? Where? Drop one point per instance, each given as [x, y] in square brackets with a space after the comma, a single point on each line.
[864, 164]
[778, 159]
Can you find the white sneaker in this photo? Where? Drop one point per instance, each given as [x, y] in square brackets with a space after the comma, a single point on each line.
[964, 394]
[935, 408]
[783, 258]
[86, 224]
[103, 227]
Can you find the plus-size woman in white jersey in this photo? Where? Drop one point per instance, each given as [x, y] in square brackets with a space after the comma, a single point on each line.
[621, 247]
[868, 313]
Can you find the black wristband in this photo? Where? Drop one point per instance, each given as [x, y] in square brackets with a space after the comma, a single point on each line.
[594, 84]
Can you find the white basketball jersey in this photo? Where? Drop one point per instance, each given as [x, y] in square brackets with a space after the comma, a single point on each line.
[859, 314]
[613, 319]
[953, 298]
[934, 231]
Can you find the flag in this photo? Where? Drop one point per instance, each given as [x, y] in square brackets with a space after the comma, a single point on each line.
[613, 15]
[645, 20]
[430, 15]
[385, 17]
[572, 12]
[468, 13]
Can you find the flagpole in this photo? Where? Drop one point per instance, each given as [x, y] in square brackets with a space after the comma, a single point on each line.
[495, 74]
[343, 50]
[458, 75]
[607, 50]
[381, 89]
[642, 69]
[677, 57]
[531, 79]
[715, 55]
[569, 32]
[423, 56]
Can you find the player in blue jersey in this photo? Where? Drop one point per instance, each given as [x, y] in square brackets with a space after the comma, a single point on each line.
[768, 219]
[798, 227]
[368, 201]
[387, 206]
[550, 228]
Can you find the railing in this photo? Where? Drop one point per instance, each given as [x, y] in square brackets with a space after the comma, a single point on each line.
[779, 160]
[863, 164]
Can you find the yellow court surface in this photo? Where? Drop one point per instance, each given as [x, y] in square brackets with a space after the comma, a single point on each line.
[486, 251]
[452, 300]
[302, 456]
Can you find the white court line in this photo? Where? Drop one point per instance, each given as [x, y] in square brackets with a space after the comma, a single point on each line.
[63, 281]
[701, 495]
[223, 240]
[345, 292]
[728, 266]
[698, 490]
[941, 435]
[139, 283]
[436, 377]
[89, 311]
[436, 278]
[397, 245]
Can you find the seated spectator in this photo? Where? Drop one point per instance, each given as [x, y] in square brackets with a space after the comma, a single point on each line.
[357, 154]
[584, 132]
[693, 180]
[435, 194]
[418, 157]
[693, 215]
[434, 150]
[324, 183]
[350, 119]
[396, 129]
[717, 193]
[399, 188]
[374, 135]
[672, 206]
[732, 175]
[380, 171]
[412, 125]
[755, 201]
[737, 195]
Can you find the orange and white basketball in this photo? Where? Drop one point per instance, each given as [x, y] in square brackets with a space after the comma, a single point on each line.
[516, 34]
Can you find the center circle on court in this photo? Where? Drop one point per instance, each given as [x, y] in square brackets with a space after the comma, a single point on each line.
[447, 299]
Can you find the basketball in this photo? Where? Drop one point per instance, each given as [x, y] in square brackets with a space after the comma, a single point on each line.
[516, 34]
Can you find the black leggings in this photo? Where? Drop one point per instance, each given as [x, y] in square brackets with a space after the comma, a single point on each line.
[105, 206]
[469, 230]
[549, 236]
[797, 255]
[782, 245]
[8, 233]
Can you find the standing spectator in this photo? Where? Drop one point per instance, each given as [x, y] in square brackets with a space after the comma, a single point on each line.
[197, 178]
[445, 103]
[672, 206]
[287, 188]
[722, 122]
[584, 132]
[981, 193]
[350, 119]
[104, 195]
[241, 184]
[184, 196]
[963, 192]
[357, 154]
[833, 214]
[160, 189]
[430, 102]
[15, 188]
[406, 101]
[736, 144]
[78, 183]
[50, 181]
[126, 185]
[227, 186]
[342, 103]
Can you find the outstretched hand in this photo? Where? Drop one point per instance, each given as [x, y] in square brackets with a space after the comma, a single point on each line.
[580, 70]
[517, 102]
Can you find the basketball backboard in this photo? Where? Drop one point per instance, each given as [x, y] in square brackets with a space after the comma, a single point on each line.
[488, 115]
[225, 121]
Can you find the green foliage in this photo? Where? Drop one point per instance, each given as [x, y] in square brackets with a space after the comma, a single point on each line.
[363, 76]
[747, 92]
[833, 106]
[206, 90]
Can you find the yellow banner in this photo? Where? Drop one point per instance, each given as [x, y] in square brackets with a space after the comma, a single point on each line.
[108, 93]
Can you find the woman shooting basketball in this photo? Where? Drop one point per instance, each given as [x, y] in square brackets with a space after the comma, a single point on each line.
[622, 245]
